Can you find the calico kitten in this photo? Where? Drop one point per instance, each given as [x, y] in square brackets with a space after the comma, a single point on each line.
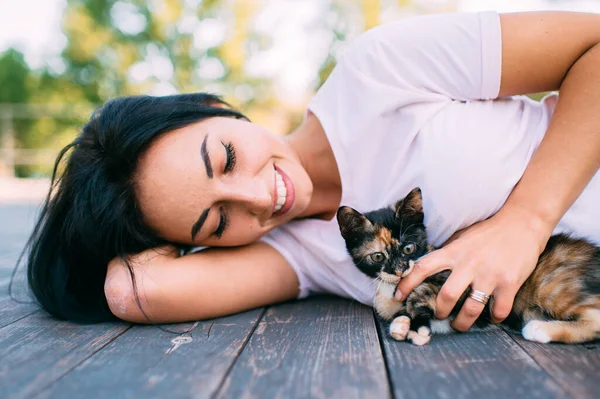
[559, 302]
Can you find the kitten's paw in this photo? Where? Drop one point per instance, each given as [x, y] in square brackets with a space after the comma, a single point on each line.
[535, 331]
[399, 328]
[420, 337]
[424, 331]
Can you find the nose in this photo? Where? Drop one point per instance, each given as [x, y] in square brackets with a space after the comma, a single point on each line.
[251, 195]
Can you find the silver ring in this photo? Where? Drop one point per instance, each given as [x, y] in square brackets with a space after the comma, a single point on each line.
[479, 296]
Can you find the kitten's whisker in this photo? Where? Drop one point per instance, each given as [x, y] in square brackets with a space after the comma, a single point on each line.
[352, 300]
[402, 236]
[410, 235]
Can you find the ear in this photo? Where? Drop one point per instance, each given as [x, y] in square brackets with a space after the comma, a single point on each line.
[352, 222]
[410, 206]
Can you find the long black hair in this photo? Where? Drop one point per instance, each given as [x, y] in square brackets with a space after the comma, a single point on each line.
[90, 214]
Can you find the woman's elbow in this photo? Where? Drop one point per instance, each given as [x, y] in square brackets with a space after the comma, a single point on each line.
[120, 294]
[129, 301]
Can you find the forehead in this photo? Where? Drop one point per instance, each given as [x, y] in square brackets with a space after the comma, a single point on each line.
[380, 240]
[169, 179]
[383, 236]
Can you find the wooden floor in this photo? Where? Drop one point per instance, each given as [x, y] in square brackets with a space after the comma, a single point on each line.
[324, 347]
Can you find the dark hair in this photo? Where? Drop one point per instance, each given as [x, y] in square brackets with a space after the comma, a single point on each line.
[90, 215]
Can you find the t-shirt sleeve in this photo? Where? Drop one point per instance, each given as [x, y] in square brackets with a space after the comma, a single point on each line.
[293, 253]
[457, 56]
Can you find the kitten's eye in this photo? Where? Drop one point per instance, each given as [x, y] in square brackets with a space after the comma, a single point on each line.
[408, 249]
[377, 257]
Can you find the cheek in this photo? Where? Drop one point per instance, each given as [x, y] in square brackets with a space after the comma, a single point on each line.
[259, 147]
[241, 233]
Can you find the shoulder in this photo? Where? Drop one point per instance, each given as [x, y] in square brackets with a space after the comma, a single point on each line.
[422, 32]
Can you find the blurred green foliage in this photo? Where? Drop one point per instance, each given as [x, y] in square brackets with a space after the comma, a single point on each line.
[129, 47]
[106, 40]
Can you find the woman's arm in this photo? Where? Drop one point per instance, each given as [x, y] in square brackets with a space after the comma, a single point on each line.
[212, 283]
[540, 51]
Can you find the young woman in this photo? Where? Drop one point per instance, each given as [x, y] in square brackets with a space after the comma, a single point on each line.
[421, 102]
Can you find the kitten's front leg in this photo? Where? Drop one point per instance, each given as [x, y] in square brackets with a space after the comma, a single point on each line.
[413, 322]
[384, 303]
[399, 328]
[420, 309]
[388, 308]
[420, 333]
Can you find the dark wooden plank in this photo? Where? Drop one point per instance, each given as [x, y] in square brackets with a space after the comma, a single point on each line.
[575, 367]
[483, 364]
[147, 362]
[38, 350]
[11, 311]
[4, 281]
[322, 347]
[16, 224]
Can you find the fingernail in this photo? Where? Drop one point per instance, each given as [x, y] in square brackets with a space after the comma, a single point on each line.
[398, 295]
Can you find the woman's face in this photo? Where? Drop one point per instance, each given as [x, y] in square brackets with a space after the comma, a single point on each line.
[220, 182]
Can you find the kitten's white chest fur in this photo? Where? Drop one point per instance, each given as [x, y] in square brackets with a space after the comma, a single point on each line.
[384, 303]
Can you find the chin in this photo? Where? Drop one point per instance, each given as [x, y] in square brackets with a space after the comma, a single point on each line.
[389, 278]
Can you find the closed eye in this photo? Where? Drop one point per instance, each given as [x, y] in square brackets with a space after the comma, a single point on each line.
[230, 157]
[223, 222]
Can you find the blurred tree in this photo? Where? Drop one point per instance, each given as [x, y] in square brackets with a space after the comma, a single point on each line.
[371, 10]
[14, 87]
[14, 73]
[128, 47]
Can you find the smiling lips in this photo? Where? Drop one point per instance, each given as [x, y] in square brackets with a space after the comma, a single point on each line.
[283, 193]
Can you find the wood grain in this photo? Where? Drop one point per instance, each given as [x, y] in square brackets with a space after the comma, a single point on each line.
[485, 364]
[37, 350]
[146, 362]
[575, 367]
[11, 311]
[323, 347]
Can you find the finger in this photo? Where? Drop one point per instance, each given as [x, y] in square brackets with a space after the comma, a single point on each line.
[471, 309]
[451, 291]
[501, 304]
[432, 263]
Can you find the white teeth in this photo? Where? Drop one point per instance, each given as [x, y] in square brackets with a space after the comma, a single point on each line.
[281, 192]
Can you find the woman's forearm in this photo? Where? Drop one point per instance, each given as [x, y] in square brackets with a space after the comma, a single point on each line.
[568, 156]
[212, 283]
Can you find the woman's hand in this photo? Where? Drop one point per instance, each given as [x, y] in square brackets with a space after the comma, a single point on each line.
[497, 255]
[494, 256]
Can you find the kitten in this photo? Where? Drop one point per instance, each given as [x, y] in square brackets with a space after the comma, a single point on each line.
[559, 302]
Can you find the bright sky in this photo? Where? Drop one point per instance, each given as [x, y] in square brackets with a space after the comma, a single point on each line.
[34, 27]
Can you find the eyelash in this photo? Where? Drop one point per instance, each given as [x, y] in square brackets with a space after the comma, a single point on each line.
[230, 163]
[222, 224]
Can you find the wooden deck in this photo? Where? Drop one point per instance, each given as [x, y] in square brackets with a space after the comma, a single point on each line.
[323, 347]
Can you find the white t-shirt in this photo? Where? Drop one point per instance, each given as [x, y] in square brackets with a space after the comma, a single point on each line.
[407, 105]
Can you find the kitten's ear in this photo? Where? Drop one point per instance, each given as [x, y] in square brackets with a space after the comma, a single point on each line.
[352, 222]
[410, 206]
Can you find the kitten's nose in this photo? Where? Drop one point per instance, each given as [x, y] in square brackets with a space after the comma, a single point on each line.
[408, 269]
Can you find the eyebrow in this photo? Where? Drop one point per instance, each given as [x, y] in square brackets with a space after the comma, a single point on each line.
[206, 158]
[198, 225]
